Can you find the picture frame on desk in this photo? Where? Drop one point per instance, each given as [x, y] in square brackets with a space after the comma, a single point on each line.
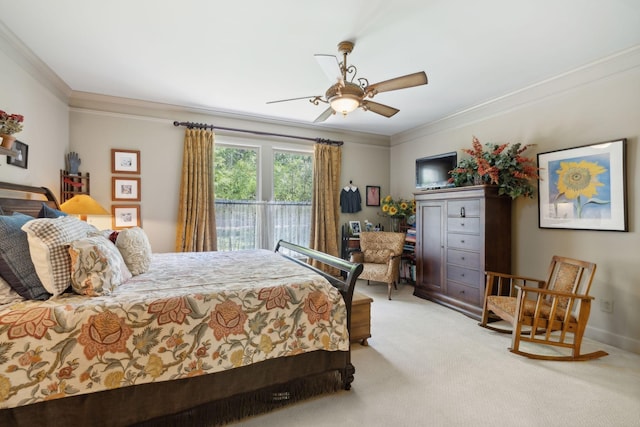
[354, 228]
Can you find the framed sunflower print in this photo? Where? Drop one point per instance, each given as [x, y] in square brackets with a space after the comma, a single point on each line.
[584, 188]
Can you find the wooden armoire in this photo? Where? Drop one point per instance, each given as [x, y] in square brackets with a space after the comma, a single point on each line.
[461, 233]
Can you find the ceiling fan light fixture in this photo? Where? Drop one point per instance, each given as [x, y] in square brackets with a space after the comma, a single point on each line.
[344, 103]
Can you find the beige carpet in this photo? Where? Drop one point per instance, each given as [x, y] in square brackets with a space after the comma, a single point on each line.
[427, 365]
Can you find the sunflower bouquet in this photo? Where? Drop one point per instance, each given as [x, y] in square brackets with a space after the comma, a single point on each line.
[398, 208]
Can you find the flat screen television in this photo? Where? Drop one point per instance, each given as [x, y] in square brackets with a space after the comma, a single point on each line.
[433, 172]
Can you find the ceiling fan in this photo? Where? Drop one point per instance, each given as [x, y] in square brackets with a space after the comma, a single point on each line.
[345, 95]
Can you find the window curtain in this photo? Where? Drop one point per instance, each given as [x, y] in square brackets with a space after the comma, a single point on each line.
[325, 205]
[196, 231]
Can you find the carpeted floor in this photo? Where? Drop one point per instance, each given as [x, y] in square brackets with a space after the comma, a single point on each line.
[427, 365]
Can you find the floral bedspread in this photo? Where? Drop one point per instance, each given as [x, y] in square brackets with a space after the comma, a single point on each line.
[190, 314]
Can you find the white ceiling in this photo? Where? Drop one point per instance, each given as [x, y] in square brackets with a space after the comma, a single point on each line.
[234, 56]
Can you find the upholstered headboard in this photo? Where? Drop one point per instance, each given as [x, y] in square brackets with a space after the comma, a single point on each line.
[25, 199]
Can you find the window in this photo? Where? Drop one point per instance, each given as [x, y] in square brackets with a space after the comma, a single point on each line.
[261, 198]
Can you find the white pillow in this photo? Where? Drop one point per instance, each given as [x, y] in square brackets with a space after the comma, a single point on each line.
[49, 239]
[96, 266]
[135, 248]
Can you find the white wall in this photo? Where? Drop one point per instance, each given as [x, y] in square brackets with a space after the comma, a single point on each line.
[46, 125]
[596, 104]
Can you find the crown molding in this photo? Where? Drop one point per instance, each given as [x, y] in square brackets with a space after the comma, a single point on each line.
[86, 102]
[617, 63]
[27, 60]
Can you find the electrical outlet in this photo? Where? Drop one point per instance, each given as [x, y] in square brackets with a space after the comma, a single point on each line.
[606, 305]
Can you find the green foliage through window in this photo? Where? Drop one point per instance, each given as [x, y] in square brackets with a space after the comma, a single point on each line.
[236, 173]
[292, 177]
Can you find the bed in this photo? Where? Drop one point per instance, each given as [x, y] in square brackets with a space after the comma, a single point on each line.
[195, 339]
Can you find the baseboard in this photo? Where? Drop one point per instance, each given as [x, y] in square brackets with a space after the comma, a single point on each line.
[606, 337]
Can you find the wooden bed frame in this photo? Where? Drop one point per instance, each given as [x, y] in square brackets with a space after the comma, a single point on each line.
[204, 400]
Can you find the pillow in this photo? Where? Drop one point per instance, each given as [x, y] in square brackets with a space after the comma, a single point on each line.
[48, 212]
[49, 239]
[135, 248]
[16, 267]
[96, 266]
[7, 294]
[380, 256]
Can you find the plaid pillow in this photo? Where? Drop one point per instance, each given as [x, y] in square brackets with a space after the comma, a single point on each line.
[49, 239]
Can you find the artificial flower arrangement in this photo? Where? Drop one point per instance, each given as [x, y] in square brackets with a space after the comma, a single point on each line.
[398, 207]
[10, 123]
[500, 165]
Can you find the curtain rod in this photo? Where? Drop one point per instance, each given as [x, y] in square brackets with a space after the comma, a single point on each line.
[192, 125]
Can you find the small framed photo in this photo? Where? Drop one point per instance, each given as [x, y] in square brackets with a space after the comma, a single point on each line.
[125, 216]
[354, 227]
[584, 188]
[21, 157]
[373, 195]
[125, 189]
[125, 161]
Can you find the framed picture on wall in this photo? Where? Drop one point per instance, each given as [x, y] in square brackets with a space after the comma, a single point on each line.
[373, 195]
[584, 188]
[22, 156]
[125, 216]
[125, 161]
[125, 189]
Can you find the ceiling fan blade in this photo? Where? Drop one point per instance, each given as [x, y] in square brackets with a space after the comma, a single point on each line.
[383, 110]
[330, 66]
[295, 99]
[410, 80]
[324, 116]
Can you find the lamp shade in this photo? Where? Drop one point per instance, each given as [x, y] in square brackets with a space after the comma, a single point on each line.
[83, 204]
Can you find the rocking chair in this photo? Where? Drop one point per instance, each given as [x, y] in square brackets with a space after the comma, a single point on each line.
[552, 312]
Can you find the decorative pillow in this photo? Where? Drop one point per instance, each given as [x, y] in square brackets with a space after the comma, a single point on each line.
[135, 249]
[7, 294]
[49, 239]
[48, 212]
[16, 267]
[96, 266]
[380, 256]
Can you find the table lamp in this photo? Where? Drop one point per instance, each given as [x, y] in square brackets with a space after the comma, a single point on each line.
[83, 205]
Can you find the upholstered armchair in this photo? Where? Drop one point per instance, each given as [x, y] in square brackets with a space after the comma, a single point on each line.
[380, 254]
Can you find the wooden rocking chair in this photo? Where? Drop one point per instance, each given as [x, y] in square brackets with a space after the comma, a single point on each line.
[555, 311]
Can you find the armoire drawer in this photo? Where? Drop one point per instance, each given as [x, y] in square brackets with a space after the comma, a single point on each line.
[463, 275]
[470, 242]
[464, 259]
[463, 225]
[463, 293]
[463, 208]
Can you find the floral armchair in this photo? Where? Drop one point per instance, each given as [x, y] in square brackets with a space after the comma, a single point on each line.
[380, 254]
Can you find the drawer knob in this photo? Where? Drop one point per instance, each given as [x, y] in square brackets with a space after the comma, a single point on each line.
[462, 212]
[462, 258]
[461, 241]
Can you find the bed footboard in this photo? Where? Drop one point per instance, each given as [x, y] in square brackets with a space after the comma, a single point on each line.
[345, 283]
